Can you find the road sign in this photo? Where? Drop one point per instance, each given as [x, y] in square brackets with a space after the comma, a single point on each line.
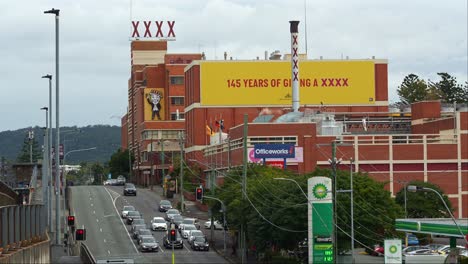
[109, 176]
[392, 251]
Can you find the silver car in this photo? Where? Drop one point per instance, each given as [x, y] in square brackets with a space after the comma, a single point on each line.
[141, 233]
[170, 213]
[126, 209]
[149, 244]
[190, 221]
[136, 228]
[185, 230]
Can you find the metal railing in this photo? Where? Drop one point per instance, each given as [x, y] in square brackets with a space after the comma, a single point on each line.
[21, 226]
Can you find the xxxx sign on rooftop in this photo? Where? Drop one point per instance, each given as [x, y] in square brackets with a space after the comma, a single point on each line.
[320, 219]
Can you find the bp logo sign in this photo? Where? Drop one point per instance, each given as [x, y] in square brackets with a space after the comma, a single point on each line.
[319, 191]
[393, 249]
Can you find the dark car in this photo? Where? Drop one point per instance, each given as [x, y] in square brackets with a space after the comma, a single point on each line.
[141, 233]
[136, 229]
[164, 205]
[131, 215]
[137, 221]
[149, 244]
[177, 220]
[129, 189]
[177, 244]
[200, 243]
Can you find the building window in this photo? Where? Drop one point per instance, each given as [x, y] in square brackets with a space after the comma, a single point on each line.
[177, 80]
[177, 100]
[272, 140]
[160, 134]
[174, 116]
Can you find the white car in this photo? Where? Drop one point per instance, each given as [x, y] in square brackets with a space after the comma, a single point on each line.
[193, 234]
[189, 221]
[185, 230]
[216, 223]
[158, 223]
[125, 210]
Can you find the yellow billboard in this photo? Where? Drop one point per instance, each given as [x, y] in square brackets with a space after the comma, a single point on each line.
[269, 82]
[154, 103]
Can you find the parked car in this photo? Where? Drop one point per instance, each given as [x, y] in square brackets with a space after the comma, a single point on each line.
[200, 243]
[125, 210]
[170, 213]
[216, 223]
[136, 229]
[412, 248]
[446, 249]
[185, 230]
[129, 189]
[164, 205]
[141, 233]
[177, 244]
[190, 221]
[193, 234]
[149, 244]
[411, 240]
[158, 223]
[131, 215]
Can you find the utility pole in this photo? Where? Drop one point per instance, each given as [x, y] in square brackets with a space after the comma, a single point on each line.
[352, 208]
[152, 161]
[244, 186]
[181, 143]
[334, 182]
[31, 138]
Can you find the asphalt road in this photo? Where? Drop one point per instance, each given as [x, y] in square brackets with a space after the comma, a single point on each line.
[98, 209]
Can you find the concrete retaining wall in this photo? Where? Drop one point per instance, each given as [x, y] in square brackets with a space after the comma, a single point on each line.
[37, 253]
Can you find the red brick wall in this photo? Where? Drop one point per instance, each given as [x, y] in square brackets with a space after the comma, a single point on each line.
[408, 152]
[148, 45]
[381, 82]
[440, 151]
[425, 109]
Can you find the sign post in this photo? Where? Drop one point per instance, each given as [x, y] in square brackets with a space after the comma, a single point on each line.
[392, 250]
[320, 220]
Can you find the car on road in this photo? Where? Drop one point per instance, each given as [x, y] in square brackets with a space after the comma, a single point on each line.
[177, 220]
[190, 221]
[138, 221]
[137, 228]
[177, 244]
[170, 213]
[125, 210]
[193, 234]
[164, 205]
[132, 215]
[200, 243]
[216, 223]
[158, 223]
[413, 248]
[129, 189]
[185, 230]
[141, 233]
[121, 180]
[149, 244]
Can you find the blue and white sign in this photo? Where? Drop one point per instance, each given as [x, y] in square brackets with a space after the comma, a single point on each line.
[109, 176]
[274, 151]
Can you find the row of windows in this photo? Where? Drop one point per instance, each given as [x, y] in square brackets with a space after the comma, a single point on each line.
[177, 100]
[174, 116]
[176, 80]
[160, 134]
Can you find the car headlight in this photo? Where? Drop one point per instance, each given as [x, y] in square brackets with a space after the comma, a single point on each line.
[145, 247]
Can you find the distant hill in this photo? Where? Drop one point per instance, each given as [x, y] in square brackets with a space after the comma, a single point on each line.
[104, 137]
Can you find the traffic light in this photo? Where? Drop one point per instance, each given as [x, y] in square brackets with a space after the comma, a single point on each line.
[71, 220]
[172, 235]
[199, 194]
[80, 234]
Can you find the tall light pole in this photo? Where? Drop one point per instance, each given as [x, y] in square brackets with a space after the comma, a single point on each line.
[352, 208]
[49, 153]
[45, 163]
[56, 12]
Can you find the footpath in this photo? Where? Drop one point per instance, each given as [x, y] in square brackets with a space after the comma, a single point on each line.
[191, 210]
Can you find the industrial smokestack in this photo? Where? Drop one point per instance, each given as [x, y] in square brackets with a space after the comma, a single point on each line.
[294, 64]
[266, 55]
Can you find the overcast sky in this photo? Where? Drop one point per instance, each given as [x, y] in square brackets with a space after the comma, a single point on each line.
[421, 37]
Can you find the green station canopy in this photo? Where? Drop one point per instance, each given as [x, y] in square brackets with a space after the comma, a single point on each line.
[434, 226]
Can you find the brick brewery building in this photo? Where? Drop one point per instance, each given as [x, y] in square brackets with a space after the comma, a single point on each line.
[342, 101]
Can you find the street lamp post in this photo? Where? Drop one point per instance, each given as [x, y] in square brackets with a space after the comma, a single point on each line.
[56, 12]
[414, 188]
[49, 154]
[352, 208]
[223, 207]
[45, 163]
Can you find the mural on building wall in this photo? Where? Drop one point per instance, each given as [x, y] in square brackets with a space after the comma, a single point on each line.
[154, 104]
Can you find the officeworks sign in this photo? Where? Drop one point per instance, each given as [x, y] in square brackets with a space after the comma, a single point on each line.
[274, 151]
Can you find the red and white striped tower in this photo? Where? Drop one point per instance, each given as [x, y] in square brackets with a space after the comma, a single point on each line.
[294, 64]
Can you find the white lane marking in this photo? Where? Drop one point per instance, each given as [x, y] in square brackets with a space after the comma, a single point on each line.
[91, 204]
[97, 220]
[94, 212]
[105, 240]
[185, 247]
[108, 252]
[100, 229]
[128, 234]
[161, 249]
[108, 215]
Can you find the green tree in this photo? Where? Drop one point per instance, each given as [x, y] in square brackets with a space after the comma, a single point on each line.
[24, 155]
[412, 89]
[98, 172]
[448, 90]
[284, 205]
[424, 204]
[118, 164]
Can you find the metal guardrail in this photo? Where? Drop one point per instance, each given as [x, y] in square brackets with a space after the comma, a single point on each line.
[21, 226]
